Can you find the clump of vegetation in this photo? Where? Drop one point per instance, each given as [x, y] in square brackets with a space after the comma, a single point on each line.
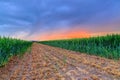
[105, 46]
[12, 47]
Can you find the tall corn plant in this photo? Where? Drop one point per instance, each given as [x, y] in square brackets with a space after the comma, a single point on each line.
[105, 46]
[11, 47]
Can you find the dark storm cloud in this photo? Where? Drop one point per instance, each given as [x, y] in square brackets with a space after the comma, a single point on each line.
[37, 16]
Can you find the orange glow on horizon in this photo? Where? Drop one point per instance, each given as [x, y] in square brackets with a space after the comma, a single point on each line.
[67, 35]
[71, 34]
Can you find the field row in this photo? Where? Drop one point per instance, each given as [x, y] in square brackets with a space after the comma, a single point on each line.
[50, 63]
[104, 46]
[12, 47]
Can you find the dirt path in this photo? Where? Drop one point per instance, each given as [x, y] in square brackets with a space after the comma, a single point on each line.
[50, 63]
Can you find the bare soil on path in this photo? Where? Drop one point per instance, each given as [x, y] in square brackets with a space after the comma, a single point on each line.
[50, 63]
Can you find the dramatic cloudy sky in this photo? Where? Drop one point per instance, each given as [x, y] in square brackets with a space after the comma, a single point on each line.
[56, 19]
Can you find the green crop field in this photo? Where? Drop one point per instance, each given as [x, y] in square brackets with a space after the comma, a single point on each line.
[12, 47]
[105, 46]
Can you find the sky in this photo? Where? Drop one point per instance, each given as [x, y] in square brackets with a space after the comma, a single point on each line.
[58, 19]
